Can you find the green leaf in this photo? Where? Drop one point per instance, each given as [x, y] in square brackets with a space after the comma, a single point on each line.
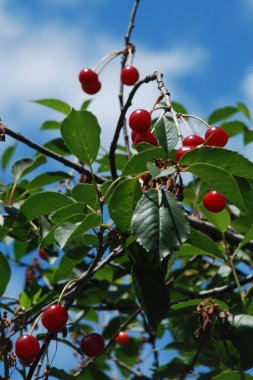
[22, 167]
[152, 294]
[123, 202]
[55, 104]
[155, 172]
[233, 375]
[234, 127]
[244, 110]
[5, 273]
[30, 296]
[179, 108]
[159, 222]
[248, 137]
[205, 243]
[221, 114]
[166, 133]
[73, 209]
[247, 238]
[232, 162]
[42, 204]
[87, 193]
[221, 220]
[81, 133]
[86, 104]
[66, 265]
[50, 124]
[138, 163]
[7, 155]
[67, 232]
[47, 179]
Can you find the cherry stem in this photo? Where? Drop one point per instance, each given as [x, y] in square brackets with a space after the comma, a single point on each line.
[186, 124]
[105, 60]
[131, 56]
[195, 117]
[65, 288]
[166, 96]
[35, 323]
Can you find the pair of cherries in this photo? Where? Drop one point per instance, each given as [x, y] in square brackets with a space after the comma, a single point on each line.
[91, 84]
[140, 122]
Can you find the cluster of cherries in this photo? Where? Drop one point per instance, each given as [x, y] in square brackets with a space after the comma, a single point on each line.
[91, 84]
[140, 122]
[54, 319]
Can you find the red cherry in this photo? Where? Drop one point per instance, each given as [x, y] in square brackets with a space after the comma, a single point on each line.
[181, 151]
[214, 201]
[122, 338]
[88, 77]
[27, 347]
[219, 136]
[140, 121]
[92, 344]
[133, 135]
[42, 254]
[54, 318]
[146, 137]
[129, 75]
[27, 362]
[193, 140]
[93, 88]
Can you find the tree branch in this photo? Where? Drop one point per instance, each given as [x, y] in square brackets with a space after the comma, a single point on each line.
[120, 123]
[57, 157]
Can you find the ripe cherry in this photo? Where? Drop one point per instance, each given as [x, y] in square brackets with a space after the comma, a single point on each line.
[27, 348]
[93, 88]
[140, 121]
[146, 137]
[129, 75]
[122, 338]
[181, 151]
[54, 318]
[88, 77]
[219, 136]
[92, 344]
[42, 254]
[214, 201]
[193, 140]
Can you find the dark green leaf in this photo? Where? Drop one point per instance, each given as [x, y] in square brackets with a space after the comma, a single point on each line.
[67, 211]
[57, 146]
[50, 124]
[248, 137]
[221, 114]
[60, 374]
[5, 273]
[221, 219]
[26, 165]
[179, 108]
[81, 133]
[234, 127]
[42, 204]
[86, 104]
[47, 179]
[30, 296]
[166, 133]
[123, 202]
[55, 104]
[159, 222]
[232, 162]
[7, 155]
[244, 110]
[151, 293]
[66, 265]
[205, 243]
[233, 375]
[87, 193]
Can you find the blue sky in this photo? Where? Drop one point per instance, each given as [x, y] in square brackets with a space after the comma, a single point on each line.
[202, 47]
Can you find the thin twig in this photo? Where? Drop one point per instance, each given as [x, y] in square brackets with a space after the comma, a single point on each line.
[123, 63]
[57, 157]
[126, 367]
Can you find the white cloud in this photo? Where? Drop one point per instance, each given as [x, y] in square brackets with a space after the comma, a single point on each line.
[44, 61]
